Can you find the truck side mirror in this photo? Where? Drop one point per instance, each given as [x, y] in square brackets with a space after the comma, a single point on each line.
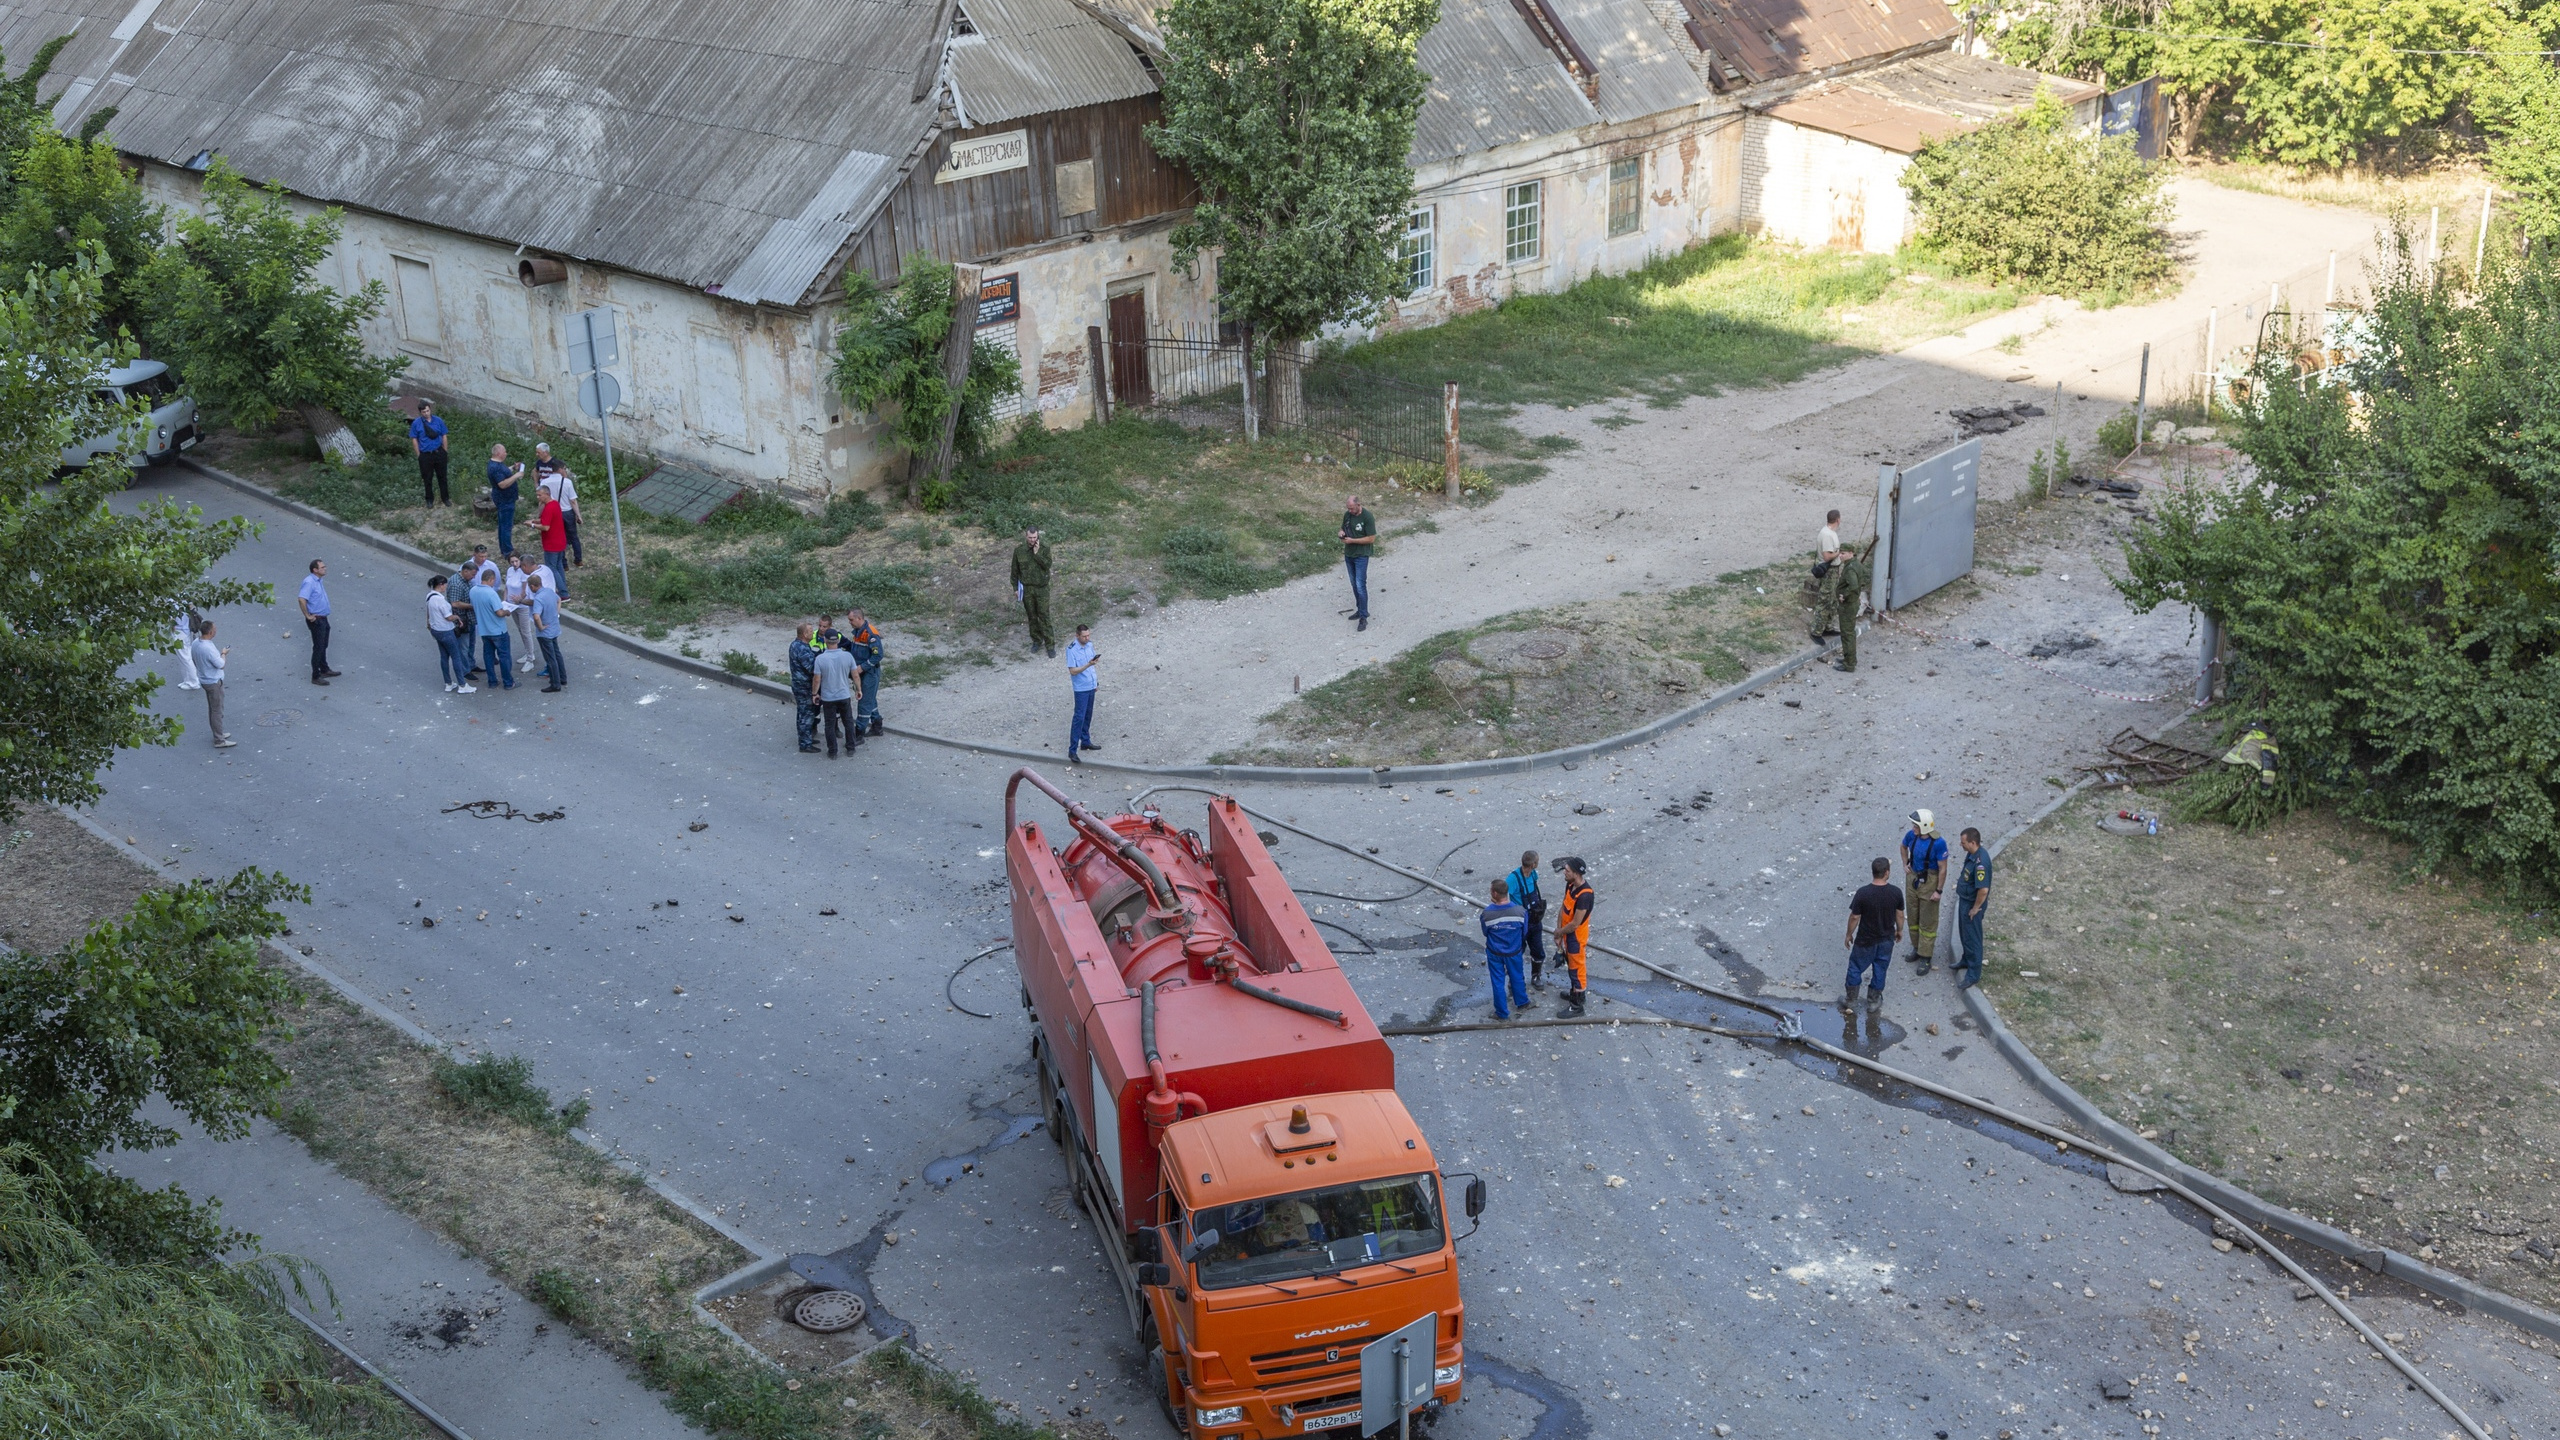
[1150, 1243]
[1155, 1275]
[1475, 1197]
[1200, 1245]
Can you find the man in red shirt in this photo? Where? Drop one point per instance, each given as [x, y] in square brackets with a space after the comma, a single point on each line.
[555, 542]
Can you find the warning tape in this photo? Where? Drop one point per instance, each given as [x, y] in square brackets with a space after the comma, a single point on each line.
[2033, 663]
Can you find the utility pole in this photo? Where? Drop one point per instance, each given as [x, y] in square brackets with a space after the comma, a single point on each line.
[2142, 401]
[1449, 440]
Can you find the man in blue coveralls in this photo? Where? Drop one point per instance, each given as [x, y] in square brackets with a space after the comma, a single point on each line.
[1506, 933]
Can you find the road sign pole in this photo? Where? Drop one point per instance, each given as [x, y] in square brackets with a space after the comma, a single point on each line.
[613, 492]
[1404, 1386]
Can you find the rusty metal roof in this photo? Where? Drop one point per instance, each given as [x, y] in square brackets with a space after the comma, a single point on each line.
[734, 145]
[1902, 106]
[1773, 39]
[1032, 56]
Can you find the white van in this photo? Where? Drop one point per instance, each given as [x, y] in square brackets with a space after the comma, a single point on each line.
[173, 416]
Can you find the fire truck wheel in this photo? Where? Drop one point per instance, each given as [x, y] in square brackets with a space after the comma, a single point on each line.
[1053, 1117]
[1163, 1383]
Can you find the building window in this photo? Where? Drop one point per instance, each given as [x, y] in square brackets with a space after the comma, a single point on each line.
[1520, 223]
[1420, 251]
[1626, 197]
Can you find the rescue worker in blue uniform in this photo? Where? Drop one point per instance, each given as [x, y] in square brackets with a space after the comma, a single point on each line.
[804, 687]
[868, 653]
[1506, 931]
[1973, 896]
[1523, 885]
[1924, 880]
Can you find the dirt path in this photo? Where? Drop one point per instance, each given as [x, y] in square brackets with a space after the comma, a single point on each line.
[1653, 500]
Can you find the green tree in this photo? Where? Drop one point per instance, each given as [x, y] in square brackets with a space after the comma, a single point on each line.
[170, 1000]
[2106, 44]
[1296, 118]
[234, 304]
[2518, 103]
[70, 196]
[2323, 82]
[889, 354]
[90, 588]
[103, 1347]
[2034, 199]
[23, 108]
[2388, 569]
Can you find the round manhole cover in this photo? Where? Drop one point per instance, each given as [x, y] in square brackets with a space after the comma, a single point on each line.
[1545, 647]
[278, 719]
[828, 1311]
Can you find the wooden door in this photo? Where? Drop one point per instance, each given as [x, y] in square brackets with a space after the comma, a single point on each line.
[1129, 383]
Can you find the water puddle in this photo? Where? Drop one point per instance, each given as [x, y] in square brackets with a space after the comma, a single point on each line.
[940, 1173]
[1560, 1419]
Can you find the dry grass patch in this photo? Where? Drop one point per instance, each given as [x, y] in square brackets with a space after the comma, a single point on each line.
[2294, 1011]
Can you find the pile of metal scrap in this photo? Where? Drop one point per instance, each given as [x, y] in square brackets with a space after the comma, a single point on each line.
[2135, 756]
[1992, 419]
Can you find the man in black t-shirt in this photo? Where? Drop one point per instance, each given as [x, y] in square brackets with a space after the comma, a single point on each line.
[1875, 928]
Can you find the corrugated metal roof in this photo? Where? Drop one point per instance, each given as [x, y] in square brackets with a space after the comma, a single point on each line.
[1492, 82]
[733, 145]
[1966, 85]
[1902, 106]
[1034, 56]
[1873, 119]
[1773, 39]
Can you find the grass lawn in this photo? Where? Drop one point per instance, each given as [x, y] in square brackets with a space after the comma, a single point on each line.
[1726, 312]
[1538, 679]
[2296, 1011]
[2451, 185]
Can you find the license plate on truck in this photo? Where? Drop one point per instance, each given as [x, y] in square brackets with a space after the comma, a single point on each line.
[1328, 1422]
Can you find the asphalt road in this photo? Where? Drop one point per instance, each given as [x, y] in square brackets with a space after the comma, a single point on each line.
[1791, 1251]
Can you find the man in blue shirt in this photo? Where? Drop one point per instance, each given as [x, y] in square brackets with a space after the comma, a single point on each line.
[489, 622]
[546, 633]
[1973, 894]
[503, 479]
[1081, 660]
[1506, 932]
[1522, 884]
[426, 438]
[804, 686]
[314, 600]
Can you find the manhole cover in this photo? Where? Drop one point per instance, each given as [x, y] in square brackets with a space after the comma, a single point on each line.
[1545, 647]
[278, 719]
[828, 1311]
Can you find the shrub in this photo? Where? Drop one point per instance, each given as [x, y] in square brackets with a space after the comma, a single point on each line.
[2116, 436]
[2385, 567]
[739, 662]
[2033, 199]
[559, 1292]
[503, 1085]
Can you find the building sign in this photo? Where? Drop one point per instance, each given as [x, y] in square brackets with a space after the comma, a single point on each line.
[986, 155]
[999, 298]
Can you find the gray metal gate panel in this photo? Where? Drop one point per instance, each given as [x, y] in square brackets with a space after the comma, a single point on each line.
[1933, 522]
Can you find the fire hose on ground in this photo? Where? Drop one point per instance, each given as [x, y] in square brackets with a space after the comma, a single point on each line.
[1789, 1031]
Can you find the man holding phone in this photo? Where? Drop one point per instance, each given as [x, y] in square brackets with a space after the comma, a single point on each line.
[1081, 660]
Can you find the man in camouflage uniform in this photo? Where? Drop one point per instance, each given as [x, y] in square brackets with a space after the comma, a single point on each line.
[804, 681]
[1846, 587]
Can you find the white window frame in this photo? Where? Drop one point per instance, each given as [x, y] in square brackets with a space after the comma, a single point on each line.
[1418, 249]
[1634, 165]
[1522, 207]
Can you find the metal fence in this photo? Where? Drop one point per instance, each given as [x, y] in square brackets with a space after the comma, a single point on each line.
[1199, 379]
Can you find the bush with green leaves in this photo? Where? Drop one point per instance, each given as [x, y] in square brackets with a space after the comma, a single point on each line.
[2034, 199]
[102, 1346]
[889, 356]
[171, 1001]
[96, 587]
[235, 304]
[68, 197]
[2388, 568]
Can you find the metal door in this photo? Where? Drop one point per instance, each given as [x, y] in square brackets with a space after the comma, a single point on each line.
[1129, 383]
[1932, 523]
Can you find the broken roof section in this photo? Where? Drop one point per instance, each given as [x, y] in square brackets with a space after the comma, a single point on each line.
[1903, 106]
[732, 145]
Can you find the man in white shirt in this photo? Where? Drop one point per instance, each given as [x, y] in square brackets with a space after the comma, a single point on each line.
[453, 659]
[1827, 544]
[556, 480]
[209, 659]
[186, 633]
[521, 617]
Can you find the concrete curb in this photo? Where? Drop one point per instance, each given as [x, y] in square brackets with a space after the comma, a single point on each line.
[2381, 1260]
[1263, 774]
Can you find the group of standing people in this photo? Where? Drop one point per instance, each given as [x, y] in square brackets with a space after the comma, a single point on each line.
[835, 681]
[500, 605]
[1511, 925]
[1878, 912]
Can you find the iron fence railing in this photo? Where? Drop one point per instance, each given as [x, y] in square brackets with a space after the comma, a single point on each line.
[1199, 379]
